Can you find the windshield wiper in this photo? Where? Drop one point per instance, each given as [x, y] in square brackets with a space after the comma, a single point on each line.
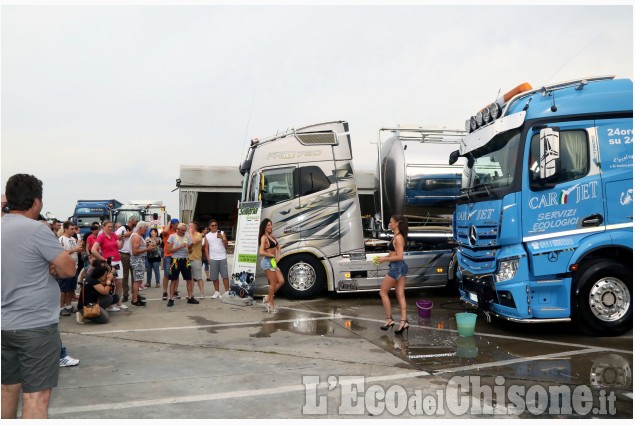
[466, 192]
[483, 185]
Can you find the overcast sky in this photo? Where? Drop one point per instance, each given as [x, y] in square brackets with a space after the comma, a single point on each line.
[109, 101]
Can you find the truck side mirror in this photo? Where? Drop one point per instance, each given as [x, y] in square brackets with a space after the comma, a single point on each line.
[549, 163]
[454, 156]
[261, 186]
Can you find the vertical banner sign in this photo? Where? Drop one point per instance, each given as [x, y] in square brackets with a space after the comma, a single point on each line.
[246, 249]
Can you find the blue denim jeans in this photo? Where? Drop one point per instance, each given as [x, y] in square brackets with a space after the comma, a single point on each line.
[397, 269]
[156, 266]
[265, 263]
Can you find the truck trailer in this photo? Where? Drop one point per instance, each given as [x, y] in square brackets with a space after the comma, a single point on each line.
[306, 183]
[545, 219]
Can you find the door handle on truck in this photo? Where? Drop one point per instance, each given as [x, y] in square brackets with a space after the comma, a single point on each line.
[592, 220]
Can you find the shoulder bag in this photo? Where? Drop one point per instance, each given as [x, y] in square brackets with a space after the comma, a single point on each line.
[91, 310]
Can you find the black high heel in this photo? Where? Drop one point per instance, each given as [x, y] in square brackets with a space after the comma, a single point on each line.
[405, 327]
[388, 325]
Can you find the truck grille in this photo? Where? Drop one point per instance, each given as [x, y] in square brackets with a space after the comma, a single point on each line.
[481, 261]
[486, 236]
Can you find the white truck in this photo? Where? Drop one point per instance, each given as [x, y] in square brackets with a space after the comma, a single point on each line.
[306, 183]
[150, 211]
[155, 213]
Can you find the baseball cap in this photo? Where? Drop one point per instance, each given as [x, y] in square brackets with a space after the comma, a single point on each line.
[174, 221]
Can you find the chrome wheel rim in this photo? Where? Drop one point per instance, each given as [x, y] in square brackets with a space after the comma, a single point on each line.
[609, 299]
[301, 276]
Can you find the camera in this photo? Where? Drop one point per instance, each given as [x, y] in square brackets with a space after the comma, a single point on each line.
[116, 266]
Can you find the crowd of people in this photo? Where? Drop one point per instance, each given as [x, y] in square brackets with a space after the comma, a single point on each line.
[109, 265]
[55, 261]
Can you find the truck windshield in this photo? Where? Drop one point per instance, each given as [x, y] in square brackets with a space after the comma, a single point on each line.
[492, 167]
[124, 216]
[88, 220]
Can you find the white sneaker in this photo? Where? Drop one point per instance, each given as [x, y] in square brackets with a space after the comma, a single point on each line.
[68, 361]
[216, 295]
[79, 318]
[113, 308]
[123, 307]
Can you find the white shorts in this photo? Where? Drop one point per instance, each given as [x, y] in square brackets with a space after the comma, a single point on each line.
[119, 270]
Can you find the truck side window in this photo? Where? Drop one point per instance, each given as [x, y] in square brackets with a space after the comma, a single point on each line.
[574, 156]
[279, 186]
[312, 179]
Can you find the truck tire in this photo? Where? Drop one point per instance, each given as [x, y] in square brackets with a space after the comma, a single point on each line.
[603, 298]
[304, 277]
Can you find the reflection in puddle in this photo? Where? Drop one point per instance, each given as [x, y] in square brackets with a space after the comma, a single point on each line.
[466, 347]
[611, 370]
[431, 347]
[306, 323]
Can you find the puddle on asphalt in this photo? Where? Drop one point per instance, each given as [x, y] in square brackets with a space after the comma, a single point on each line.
[307, 323]
[430, 345]
[432, 348]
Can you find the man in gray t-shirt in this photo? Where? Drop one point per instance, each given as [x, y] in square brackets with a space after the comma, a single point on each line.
[31, 258]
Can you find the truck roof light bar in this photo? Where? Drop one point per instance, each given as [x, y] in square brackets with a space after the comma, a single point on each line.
[490, 113]
[578, 83]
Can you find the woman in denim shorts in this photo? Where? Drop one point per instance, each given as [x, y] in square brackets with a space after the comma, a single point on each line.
[269, 249]
[396, 276]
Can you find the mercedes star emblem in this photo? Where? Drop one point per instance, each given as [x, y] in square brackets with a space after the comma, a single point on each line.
[472, 235]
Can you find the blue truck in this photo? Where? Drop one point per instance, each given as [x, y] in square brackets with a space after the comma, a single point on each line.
[544, 222]
[88, 211]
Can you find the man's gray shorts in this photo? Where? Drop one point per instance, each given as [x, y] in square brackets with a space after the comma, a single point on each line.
[216, 267]
[138, 266]
[196, 265]
[31, 357]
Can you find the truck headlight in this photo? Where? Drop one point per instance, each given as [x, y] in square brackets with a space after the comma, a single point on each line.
[507, 270]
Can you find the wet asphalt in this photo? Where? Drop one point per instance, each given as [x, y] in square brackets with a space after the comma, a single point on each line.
[217, 360]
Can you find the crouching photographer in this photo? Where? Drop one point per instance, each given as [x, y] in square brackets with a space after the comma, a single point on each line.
[98, 289]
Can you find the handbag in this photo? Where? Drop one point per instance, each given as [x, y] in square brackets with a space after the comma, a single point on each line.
[91, 310]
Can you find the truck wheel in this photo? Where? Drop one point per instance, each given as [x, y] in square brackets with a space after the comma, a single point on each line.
[603, 298]
[304, 277]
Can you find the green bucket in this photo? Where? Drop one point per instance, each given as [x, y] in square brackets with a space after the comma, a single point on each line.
[465, 323]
